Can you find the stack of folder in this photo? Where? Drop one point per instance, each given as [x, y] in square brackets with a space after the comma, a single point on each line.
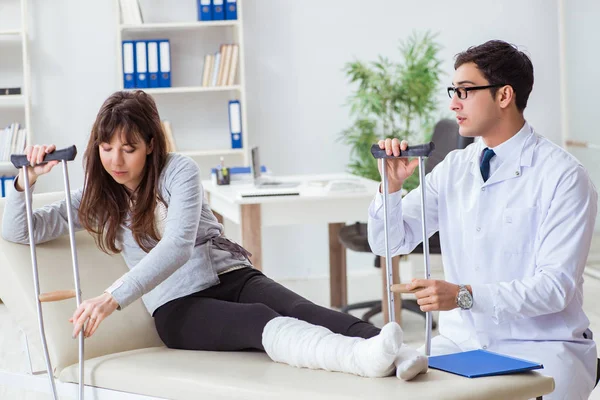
[216, 10]
[146, 63]
[131, 12]
[220, 69]
[166, 125]
[12, 141]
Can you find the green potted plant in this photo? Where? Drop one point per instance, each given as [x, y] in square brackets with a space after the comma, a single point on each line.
[392, 100]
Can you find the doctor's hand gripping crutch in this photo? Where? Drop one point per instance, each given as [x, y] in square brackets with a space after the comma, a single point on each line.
[421, 151]
[20, 161]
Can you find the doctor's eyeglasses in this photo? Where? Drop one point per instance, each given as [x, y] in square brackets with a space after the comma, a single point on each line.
[462, 91]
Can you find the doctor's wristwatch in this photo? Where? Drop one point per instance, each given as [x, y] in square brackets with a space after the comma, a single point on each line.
[464, 299]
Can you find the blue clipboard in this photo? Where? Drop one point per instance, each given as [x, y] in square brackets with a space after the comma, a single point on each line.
[478, 363]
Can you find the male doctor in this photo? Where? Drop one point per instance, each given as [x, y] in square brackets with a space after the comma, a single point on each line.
[515, 214]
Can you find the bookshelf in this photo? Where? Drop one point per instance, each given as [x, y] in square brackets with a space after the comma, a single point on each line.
[14, 32]
[217, 152]
[198, 114]
[192, 89]
[168, 26]
[15, 70]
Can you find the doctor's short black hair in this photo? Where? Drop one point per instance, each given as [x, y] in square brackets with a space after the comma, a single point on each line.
[501, 63]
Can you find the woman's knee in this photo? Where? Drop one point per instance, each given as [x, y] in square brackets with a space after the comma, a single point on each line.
[261, 313]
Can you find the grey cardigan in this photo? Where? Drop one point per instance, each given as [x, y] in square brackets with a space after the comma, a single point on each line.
[187, 259]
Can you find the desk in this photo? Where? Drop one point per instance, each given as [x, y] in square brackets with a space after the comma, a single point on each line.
[313, 205]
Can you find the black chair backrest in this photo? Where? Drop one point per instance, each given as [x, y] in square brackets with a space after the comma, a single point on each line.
[446, 138]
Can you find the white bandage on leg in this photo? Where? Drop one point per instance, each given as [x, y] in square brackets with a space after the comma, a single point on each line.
[301, 344]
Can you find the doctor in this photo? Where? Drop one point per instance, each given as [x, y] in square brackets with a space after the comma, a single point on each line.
[515, 215]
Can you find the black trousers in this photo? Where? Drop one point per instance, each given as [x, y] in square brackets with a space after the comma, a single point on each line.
[232, 315]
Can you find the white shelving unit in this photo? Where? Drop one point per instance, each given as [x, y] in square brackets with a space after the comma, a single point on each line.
[170, 26]
[10, 104]
[15, 32]
[190, 41]
[216, 152]
[14, 100]
[192, 89]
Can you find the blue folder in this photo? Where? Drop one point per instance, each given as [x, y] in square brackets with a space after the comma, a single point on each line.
[141, 64]
[153, 63]
[478, 363]
[6, 181]
[231, 9]
[164, 63]
[204, 10]
[218, 10]
[235, 123]
[128, 64]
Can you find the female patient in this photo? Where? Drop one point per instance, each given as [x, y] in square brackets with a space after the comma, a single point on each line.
[199, 286]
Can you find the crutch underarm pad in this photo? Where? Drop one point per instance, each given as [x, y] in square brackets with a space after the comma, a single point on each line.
[417, 150]
[68, 154]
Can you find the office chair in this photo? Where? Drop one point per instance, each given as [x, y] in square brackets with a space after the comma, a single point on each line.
[354, 237]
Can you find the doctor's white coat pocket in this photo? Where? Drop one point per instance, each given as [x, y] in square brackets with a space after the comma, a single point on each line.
[519, 230]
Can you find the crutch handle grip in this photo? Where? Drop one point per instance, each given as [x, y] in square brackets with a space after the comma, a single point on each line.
[417, 150]
[67, 154]
[403, 288]
[57, 296]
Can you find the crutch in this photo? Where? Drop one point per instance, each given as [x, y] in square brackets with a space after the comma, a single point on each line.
[421, 151]
[20, 161]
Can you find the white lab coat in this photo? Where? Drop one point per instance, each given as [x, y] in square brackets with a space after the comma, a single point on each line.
[521, 241]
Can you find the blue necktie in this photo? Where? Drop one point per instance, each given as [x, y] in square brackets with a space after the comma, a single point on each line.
[485, 163]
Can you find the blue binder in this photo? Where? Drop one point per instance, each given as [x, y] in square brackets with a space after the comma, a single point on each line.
[230, 9]
[479, 363]
[128, 49]
[218, 11]
[235, 124]
[152, 50]
[204, 10]
[141, 64]
[5, 183]
[164, 65]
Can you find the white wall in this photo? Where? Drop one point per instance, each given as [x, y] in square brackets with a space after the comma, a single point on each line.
[297, 90]
[73, 71]
[583, 87]
[295, 52]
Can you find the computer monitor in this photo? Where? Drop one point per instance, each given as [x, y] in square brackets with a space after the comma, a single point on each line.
[261, 181]
[255, 164]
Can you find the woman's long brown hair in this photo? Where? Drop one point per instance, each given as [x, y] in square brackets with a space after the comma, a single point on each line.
[105, 203]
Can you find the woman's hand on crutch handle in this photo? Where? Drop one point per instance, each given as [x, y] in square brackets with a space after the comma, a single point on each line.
[35, 156]
[91, 313]
[398, 169]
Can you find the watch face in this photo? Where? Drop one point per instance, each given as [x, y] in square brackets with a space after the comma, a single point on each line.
[465, 301]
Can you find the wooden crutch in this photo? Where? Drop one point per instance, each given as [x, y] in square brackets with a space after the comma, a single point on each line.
[20, 161]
